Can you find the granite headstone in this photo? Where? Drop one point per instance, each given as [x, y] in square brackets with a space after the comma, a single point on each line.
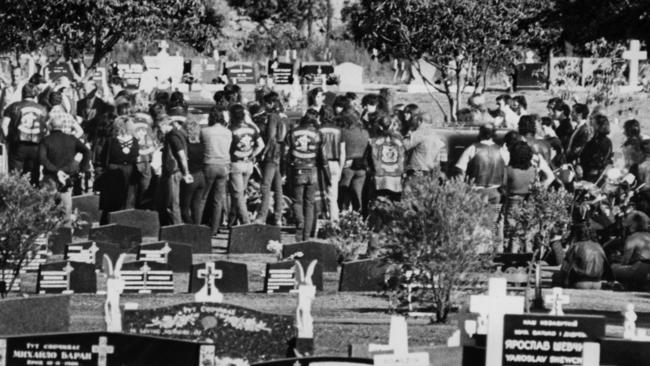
[177, 256]
[281, 72]
[324, 252]
[66, 277]
[92, 252]
[58, 240]
[147, 277]
[126, 236]
[197, 236]
[363, 275]
[145, 220]
[237, 332]
[251, 238]
[281, 276]
[234, 277]
[36, 314]
[241, 72]
[88, 207]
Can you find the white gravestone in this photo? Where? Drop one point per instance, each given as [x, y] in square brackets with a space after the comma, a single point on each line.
[165, 67]
[350, 77]
[634, 55]
[495, 306]
[398, 345]
[306, 296]
[556, 300]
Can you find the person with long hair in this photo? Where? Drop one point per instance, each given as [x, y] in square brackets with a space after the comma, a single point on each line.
[191, 194]
[118, 159]
[632, 153]
[597, 153]
[520, 177]
[353, 177]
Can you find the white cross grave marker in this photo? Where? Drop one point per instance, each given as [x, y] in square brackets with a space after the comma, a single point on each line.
[102, 350]
[67, 269]
[145, 273]
[634, 55]
[398, 343]
[496, 304]
[209, 292]
[556, 300]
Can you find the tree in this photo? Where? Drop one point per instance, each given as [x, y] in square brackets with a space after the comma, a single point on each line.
[26, 213]
[463, 39]
[96, 26]
[274, 15]
[441, 231]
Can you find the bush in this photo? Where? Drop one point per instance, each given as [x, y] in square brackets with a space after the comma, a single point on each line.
[26, 213]
[438, 235]
[350, 235]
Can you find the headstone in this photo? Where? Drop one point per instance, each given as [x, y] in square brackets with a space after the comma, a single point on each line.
[281, 276]
[145, 220]
[240, 72]
[147, 277]
[548, 340]
[234, 277]
[204, 70]
[58, 240]
[131, 74]
[100, 76]
[91, 252]
[199, 237]
[350, 77]
[164, 67]
[556, 300]
[315, 73]
[66, 277]
[363, 275]
[102, 349]
[634, 55]
[492, 308]
[423, 73]
[324, 252]
[38, 256]
[624, 352]
[209, 292]
[629, 326]
[398, 346]
[177, 256]
[7, 280]
[251, 238]
[281, 72]
[36, 314]
[88, 206]
[237, 332]
[530, 76]
[126, 237]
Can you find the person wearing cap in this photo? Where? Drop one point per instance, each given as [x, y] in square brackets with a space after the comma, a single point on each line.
[63, 120]
[174, 170]
[57, 153]
[634, 267]
[24, 125]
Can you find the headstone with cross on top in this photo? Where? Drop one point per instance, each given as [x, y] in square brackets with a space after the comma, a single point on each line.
[556, 300]
[493, 307]
[102, 349]
[209, 292]
[634, 55]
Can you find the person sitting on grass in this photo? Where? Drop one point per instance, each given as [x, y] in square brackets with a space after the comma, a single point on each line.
[634, 267]
[585, 265]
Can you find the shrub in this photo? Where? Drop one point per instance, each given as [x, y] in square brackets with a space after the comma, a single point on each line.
[350, 235]
[26, 213]
[438, 235]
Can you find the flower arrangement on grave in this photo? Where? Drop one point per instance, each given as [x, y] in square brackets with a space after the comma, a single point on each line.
[275, 247]
[440, 234]
[350, 234]
[26, 212]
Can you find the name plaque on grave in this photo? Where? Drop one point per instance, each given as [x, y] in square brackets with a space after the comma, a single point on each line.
[281, 72]
[548, 340]
[243, 72]
[131, 73]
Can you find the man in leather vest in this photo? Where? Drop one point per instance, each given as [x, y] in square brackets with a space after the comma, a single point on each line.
[387, 161]
[484, 165]
[306, 158]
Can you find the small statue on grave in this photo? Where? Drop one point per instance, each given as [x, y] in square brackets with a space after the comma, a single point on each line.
[306, 295]
[629, 326]
[114, 287]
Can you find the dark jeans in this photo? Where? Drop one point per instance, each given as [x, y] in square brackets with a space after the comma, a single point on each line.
[169, 199]
[216, 177]
[352, 183]
[304, 189]
[114, 189]
[191, 196]
[271, 179]
[23, 157]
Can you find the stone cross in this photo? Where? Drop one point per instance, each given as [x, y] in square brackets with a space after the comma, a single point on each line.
[145, 272]
[67, 269]
[102, 350]
[398, 341]
[209, 292]
[165, 252]
[556, 300]
[496, 305]
[164, 47]
[93, 252]
[629, 326]
[634, 55]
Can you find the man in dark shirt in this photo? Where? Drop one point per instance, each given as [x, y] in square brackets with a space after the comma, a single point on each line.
[24, 125]
[634, 268]
[57, 153]
[174, 169]
[273, 132]
[585, 264]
